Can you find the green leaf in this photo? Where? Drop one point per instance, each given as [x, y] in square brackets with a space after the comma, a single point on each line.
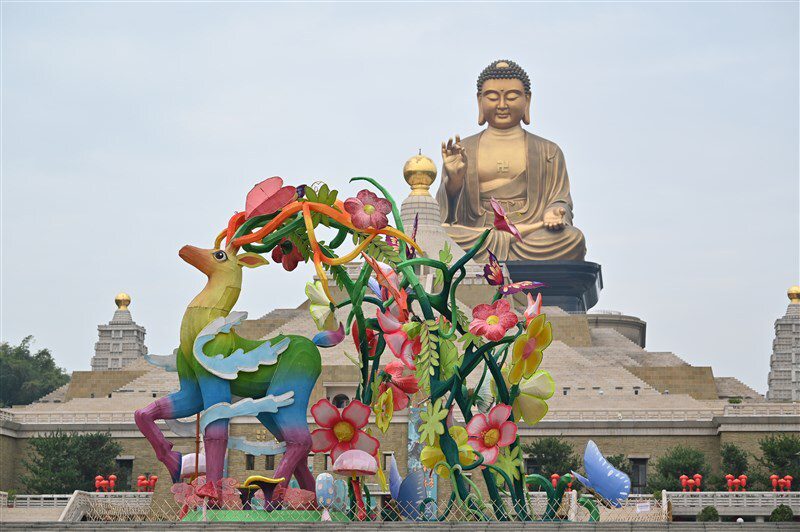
[428, 358]
[446, 254]
[449, 358]
[432, 421]
[380, 250]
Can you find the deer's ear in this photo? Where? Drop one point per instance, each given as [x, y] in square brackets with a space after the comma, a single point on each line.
[251, 260]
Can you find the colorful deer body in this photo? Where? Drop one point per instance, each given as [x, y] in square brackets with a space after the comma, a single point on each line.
[288, 372]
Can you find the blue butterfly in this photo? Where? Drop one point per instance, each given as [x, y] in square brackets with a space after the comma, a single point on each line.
[407, 492]
[604, 479]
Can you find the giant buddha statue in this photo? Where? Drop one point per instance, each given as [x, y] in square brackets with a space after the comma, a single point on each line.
[525, 173]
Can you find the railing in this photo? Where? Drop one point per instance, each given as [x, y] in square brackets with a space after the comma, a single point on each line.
[116, 506]
[3, 499]
[732, 503]
[762, 409]
[5, 415]
[42, 501]
[630, 415]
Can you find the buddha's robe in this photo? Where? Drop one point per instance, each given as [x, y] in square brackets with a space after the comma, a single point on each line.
[528, 176]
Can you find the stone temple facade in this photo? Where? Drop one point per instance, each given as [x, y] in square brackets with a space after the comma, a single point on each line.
[784, 374]
[121, 341]
[609, 388]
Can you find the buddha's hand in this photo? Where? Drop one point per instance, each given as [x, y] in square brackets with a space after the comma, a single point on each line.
[554, 219]
[455, 162]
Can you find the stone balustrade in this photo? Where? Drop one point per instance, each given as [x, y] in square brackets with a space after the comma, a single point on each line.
[758, 504]
[58, 500]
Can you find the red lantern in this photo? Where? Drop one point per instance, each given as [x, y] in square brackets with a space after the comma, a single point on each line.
[684, 479]
[697, 478]
[554, 479]
[112, 481]
[729, 479]
[788, 479]
[97, 480]
[737, 484]
[691, 483]
[152, 481]
[774, 479]
[743, 478]
[141, 483]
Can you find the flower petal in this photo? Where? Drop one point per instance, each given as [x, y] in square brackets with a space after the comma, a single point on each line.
[515, 375]
[501, 306]
[325, 414]
[530, 409]
[478, 327]
[495, 332]
[323, 440]
[353, 205]
[540, 385]
[394, 369]
[430, 456]
[490, 454]
[498, 415]
[356, 413]
[508, 433]
[459, 434]
[363, 441]
[360, 219]
[478, 445]
[378, 220]
[477, 425]
[536, 325]
[387, 322]
[340, 448]
[383, 205]
[508, 320]
[482, 311]
[367, 197]
[399, 397]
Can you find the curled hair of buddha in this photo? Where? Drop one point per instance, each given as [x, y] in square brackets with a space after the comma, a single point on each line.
[504, 69]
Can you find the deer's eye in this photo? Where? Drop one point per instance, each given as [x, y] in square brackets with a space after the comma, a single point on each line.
[220, 255]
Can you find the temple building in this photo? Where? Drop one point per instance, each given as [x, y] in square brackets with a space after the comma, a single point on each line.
[121, 341]
[784, 364]
[609, 387]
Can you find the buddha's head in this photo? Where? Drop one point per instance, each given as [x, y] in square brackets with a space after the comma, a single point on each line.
[504, 95]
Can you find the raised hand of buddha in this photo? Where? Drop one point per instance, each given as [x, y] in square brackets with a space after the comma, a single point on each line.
[455, 163]
[554, 219]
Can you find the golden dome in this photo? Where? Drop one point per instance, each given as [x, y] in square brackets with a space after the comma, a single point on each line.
[794, 295]
[419, 172]
[122, 300]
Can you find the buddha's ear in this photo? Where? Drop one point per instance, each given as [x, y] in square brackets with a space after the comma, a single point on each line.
[481, 118]
[527, 116]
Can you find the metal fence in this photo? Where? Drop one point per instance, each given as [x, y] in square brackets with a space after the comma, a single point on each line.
[88, 506]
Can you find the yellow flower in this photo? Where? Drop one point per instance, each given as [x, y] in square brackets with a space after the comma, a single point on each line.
[531, 405]
[384, 410]
[433, 454]
[527, 352]
[321, 311]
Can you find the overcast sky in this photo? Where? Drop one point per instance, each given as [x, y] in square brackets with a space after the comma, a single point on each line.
[132, 129]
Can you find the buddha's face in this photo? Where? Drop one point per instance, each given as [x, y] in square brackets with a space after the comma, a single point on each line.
[503, 103]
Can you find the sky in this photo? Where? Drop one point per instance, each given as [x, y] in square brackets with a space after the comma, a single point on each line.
[131, 129]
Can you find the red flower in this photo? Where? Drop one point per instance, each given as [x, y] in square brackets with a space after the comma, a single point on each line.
[492, 321]
[287, 254]
[401, 386]
[396, 336]
[488, 433]
[368, 210]
[502, 222]
[372, 339]
[341, 432]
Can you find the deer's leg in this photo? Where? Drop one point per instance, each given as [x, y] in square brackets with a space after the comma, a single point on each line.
[185, 402]
[215, 390]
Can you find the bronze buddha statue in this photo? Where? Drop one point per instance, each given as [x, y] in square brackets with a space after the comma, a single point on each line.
[522, 171]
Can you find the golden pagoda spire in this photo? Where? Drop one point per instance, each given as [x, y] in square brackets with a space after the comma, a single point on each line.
[122, 300]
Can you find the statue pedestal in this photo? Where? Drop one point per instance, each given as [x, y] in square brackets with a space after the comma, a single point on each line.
[573, 286]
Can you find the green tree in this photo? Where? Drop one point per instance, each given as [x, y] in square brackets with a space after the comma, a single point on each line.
[678, 460]
[550, 455]
[781, 513]
[780, 455]
[709, 513]
[26, 376]
[63, 463]
[621, 462]
[734, 459]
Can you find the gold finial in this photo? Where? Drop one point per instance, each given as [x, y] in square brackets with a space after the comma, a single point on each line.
[794, 295]
[122, 300]
[419, 172]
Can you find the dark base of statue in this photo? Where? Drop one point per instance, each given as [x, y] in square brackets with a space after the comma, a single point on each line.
[572, 285]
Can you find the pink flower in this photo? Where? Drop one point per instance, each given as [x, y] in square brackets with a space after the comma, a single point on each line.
[492, 321]
[268, 197]
[287, 254]
[367, 209]
[493, 272]
[396, 336]
[501, 220]
[401, 386]
[341, 432]
[534, 308]
[488, 433]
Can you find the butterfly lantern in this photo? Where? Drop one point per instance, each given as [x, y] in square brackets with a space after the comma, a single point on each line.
[602, 477]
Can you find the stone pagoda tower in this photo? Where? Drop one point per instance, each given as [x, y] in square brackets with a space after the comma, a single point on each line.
[121, 341]
[784, 374]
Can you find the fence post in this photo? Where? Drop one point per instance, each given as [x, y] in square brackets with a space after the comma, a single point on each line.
[572, 513]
